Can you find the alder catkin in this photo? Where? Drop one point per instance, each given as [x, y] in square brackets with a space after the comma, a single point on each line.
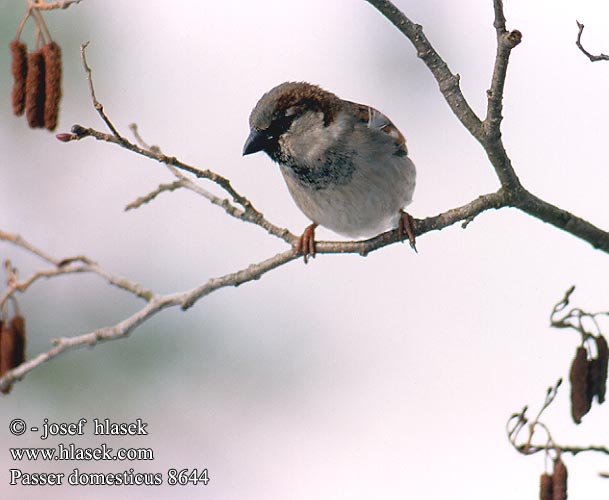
[602, 358]
[52, 70]
[12, 346]
[6, 352]
[580, 401]
[18, 327]
[559, 484]
[545, 487]
[19, 71]
[34, 90]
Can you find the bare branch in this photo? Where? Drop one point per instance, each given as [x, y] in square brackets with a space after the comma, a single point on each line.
[249, 213]
[574, 317]
[519, 421]
[72, 265]
[574, 450]
[142, 200]
[154, 303]
[499, 23]
[61, 4]
[506, 41]
[488, 133]
[96, 104]
[578, 42]
[447, 81]
[186, 299]
[561, 219]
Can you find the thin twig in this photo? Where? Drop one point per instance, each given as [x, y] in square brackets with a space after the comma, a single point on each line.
[488, 133]
[72, 265]
[573, 318]
[186, 299]
[96, 104]
[162, 188]
[578, 42]
[61, 4]
[447, 81]
[518, 421]
[506, 41]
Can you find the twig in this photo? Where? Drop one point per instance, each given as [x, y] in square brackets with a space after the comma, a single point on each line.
[136, 133]
[574, 317]
[488, 133]
[578, 42]
[506, 41]
[142, 200]
[447, 81]
[518, 421]
[72, 265]
[96, 104]
[61, 4]
[186, 299]
[154, 305]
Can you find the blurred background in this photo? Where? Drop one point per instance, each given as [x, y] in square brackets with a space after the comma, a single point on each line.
[390, 376]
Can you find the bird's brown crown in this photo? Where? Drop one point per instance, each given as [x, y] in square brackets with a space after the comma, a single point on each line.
[292, 99]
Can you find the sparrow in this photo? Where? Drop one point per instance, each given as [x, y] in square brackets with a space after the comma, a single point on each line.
[345, 164]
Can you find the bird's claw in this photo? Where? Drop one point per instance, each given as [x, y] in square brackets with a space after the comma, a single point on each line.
[406, 228]
[306, 243]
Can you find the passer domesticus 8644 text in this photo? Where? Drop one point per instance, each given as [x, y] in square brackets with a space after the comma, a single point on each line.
[345, 164]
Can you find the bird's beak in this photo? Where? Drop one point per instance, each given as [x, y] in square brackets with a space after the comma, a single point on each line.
[256, 141]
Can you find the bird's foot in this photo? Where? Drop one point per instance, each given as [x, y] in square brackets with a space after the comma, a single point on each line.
[306, 243]
[406, 228]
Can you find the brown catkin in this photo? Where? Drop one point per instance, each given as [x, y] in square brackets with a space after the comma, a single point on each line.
[6, 352]
[559, 484]
[12, 346]
[34, 90]
[603, 357]
[545, 487]
[52, 70]
[19, 70]
[18, 326]
[593, 378]
[580, 402]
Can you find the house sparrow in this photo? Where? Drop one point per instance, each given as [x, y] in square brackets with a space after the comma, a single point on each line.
[345, 164]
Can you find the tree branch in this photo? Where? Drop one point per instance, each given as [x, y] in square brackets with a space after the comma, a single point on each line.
[447, 81]
[247, 213]
[488, 133]
[578, 42]
[70, 265]
[187, 299]
[61, 4]
[506, 41]
[561, 219]
[518, 421]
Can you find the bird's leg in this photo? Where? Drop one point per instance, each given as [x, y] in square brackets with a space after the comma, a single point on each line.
[406, 228]
[306, 243]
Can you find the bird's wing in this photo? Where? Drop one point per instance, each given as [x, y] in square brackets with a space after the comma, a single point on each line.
[377, 120]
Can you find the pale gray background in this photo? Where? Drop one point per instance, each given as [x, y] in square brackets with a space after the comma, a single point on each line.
[386, 377]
